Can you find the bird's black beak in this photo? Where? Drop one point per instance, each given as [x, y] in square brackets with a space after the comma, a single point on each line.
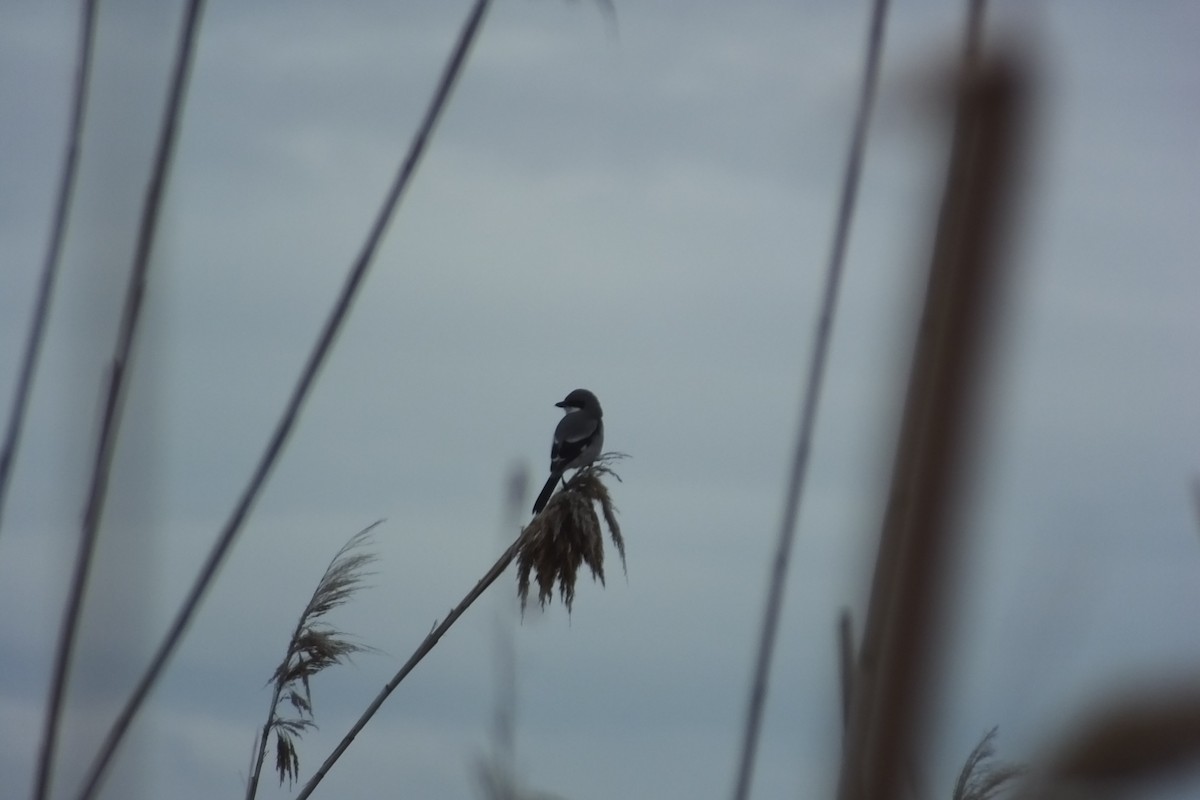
[561, 403]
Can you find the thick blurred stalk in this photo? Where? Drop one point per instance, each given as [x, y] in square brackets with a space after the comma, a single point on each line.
[890, 679]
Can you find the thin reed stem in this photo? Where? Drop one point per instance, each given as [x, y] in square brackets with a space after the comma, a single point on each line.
[846, 664]
[58, 235]
[1196, 497]
[291, 413]
[502, 765]
[422, 650]
[264, 736]
[115, 395]
[812, 395]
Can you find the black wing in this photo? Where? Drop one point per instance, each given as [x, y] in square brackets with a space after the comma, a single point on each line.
[572, 436]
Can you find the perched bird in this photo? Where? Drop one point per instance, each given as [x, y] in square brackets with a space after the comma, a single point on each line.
[577, 439]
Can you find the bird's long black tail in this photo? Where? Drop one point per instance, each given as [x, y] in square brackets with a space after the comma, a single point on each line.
[547, 490]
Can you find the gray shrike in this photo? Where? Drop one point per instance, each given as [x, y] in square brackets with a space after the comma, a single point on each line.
[577, 439]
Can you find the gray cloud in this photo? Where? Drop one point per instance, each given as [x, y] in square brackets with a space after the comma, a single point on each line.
[647, 215]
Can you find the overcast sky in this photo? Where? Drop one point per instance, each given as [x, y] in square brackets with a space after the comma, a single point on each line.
[643, 210]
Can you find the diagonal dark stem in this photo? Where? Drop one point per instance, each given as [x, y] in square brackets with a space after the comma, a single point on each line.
[812, 394]
[115, 395]
[264, 736]
[291, 413]
[58, 234]
[422, 650]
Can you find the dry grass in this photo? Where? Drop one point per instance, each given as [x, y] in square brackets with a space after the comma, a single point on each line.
[313, 647]
[552, 544]
[567, 535]
[981, 777]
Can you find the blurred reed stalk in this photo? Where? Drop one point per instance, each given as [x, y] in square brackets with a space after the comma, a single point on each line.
[1129, 739]
[497, 770]
[291, 413]
[889, 683]
[118, 381]
[1134, 739]
[58, 235]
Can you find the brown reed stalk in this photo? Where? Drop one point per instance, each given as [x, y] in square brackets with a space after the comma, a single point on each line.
[313, 647]
[1143, 734]
[1133, 740]
[934, 435]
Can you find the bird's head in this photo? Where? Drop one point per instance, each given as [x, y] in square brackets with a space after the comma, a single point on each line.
[578, 400]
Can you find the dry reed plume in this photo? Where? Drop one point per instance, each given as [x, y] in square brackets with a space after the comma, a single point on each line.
[313, 647]
[982, 778]
[567, 534]
[552, 544]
